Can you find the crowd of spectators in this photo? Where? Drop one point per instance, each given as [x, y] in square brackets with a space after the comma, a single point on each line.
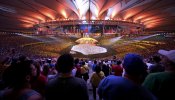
[51, 78]
[138, 75]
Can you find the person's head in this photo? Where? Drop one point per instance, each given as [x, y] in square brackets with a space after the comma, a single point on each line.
[114, 57]
[95, 61]
[133, 65]
[46, 69]
[22, 58]
[119, 62]
[37, 66]
[65, 63]
[20, 73]
[83, 63]
[76, 61]
[97, 69]
[168, 58]
[156, 58]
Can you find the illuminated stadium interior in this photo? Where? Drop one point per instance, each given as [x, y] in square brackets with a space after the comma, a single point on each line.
[49, 28]
[99, 34]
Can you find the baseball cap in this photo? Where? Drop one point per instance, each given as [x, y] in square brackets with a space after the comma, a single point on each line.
[133, 64]
[169, 54]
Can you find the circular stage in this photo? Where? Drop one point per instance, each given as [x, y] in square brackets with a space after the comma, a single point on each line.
[88, 49]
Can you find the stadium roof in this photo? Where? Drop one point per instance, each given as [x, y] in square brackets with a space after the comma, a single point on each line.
[23, 14]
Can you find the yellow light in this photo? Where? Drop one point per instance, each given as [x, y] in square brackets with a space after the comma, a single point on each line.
[40, 18]
[26, 21]
[30, 19]
[113, 14]
[27, 25]
[50, 16]
[128, 15]
[64, 13]
[96, 12]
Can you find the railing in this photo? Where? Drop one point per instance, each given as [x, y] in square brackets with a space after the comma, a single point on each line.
[91, 22]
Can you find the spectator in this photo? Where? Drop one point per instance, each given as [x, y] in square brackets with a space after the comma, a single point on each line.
[78, 68]
[162, 84]
[94, 65]
[95, 79]
[134, 68]
[105, 68]
[117, 69]
[18, 77]
[85, 71]
[156, 66]
[65, 86]
[39, 81]
[126, 87]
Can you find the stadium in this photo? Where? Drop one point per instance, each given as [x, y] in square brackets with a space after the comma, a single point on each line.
[89, 30]
[48, 29]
